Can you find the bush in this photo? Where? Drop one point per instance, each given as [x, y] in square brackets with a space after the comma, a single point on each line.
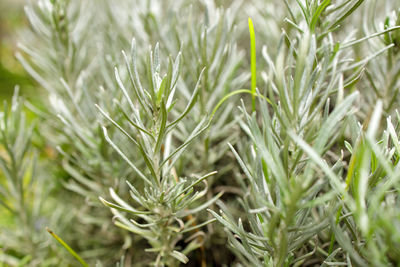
[207, 141]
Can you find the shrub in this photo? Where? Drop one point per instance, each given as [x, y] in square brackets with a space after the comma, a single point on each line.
[206, 141]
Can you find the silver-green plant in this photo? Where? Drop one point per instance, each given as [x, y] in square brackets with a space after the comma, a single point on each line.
[309, 172]
[74, 90]
[76, 78]
[282, 183]
[382, 76]
[293, 196]
[24, 194]
[366, 222]
[166, 202]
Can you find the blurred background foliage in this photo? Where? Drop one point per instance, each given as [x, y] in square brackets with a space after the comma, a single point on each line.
[12, 21]
[11, 72]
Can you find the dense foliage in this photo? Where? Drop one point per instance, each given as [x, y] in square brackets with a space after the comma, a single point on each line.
[244, 133]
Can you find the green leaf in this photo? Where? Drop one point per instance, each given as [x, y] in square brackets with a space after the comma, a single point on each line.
[332, 121]
[120, 208]
[141, 175]
[348, 12]
[334, 180]
[317, 14]
[161, 128]
[191, 103]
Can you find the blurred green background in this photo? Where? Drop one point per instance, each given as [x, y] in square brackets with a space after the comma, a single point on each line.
[12, 21]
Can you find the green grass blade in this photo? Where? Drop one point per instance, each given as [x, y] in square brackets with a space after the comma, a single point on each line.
[253, 64]
[317, 14]
[65, 245]
[226, 97]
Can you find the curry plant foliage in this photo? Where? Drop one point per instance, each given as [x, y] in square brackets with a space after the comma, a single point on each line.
[207, 133]
[164, 202]
[24, 192]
